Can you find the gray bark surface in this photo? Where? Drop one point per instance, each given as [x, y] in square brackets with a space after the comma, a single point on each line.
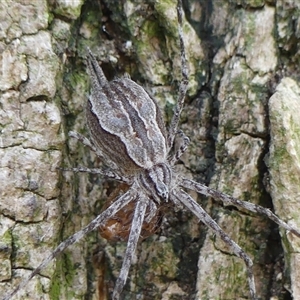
[241, 114]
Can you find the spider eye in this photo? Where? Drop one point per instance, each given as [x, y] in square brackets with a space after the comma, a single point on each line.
[162, 191]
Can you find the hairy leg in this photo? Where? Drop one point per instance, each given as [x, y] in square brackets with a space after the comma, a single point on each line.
[106, 173]
[204, 217]
[134, 235]
[85, 141]
[204, 190]
[110, 211]
[185, 141]
[184, 81]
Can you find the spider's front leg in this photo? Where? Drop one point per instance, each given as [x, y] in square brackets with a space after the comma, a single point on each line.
[196, 209]
[207, 191]
[135, 231]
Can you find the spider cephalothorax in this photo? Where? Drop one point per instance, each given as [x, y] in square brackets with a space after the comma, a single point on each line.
[128, 133]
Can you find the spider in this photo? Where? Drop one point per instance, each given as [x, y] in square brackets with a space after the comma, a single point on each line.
[128, 133]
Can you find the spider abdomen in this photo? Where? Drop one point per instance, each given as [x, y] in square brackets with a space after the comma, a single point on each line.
[126, 124]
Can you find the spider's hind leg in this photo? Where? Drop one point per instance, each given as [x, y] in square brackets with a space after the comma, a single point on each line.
[85, 141]
[101, 219]
[185, 141]
[184, 81]
[106, 173]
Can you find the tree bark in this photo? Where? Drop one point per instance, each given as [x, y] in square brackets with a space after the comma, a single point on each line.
[241, 114]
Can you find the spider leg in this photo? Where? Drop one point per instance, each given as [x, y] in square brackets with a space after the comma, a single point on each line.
[184, 144]
[110, 211]
[204, 217]
[204, 190]
[135, 231]
[85, 141]
[107, 173]
[96, 73]
[184, 81]
[152, 211]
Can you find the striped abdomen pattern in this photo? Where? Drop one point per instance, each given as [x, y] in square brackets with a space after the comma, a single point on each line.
[125, 123]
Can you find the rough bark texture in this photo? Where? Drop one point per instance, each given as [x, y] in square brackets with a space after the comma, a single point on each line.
[241, 113]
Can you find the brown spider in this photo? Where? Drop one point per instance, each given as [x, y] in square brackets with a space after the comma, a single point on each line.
[128, 133]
